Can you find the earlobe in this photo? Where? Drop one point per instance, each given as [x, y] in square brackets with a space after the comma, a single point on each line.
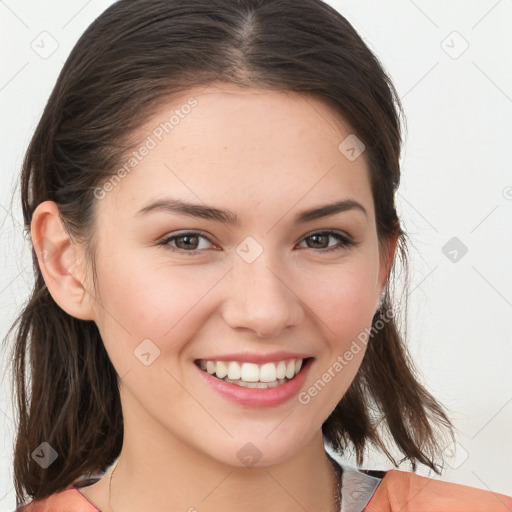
[58, 260]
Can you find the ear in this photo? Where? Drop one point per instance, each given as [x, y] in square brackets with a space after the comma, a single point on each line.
[59, 261]
[386, 260]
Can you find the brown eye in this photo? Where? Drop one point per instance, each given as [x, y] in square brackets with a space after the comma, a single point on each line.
[189, 242]
[320, 240]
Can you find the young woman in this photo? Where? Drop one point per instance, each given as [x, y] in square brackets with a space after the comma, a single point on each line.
[210, 197]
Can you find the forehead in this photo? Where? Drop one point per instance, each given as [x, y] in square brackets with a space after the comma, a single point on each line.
[223, 144]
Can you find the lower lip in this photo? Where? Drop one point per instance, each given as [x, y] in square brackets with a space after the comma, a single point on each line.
[255, 397]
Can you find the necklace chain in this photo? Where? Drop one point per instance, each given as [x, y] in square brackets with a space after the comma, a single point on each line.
[110, 484]
[337, 492]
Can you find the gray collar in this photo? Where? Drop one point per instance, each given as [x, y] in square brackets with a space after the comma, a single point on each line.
[357, 488]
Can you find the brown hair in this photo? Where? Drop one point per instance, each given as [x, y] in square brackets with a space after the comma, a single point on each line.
[127, 63]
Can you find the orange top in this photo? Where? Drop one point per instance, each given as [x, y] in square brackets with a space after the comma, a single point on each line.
[397, 491]
[408, 492]
[69, 500]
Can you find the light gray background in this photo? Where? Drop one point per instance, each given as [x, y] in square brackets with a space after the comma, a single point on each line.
[456, 182]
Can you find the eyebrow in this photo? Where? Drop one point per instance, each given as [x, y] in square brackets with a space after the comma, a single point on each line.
[179, 206]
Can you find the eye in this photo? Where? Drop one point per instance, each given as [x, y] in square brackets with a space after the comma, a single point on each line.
[187, 242]
[322, 237]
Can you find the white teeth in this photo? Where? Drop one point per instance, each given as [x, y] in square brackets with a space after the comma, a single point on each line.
[281, 370]
[260, 385]
[234, 371]
[221, 370]
[250, 372]
[268, 372]
[290, 370]
[272, 373]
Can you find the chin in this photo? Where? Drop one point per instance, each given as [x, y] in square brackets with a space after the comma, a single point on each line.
[258, 450]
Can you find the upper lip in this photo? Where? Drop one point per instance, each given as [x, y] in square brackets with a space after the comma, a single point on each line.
[248, 357]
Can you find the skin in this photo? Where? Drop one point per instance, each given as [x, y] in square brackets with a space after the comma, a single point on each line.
[265, 155]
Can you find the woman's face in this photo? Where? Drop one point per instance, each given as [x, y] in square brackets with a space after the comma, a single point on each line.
[180, 281]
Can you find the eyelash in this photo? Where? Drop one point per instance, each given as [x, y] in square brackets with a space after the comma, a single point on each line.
[344, 242]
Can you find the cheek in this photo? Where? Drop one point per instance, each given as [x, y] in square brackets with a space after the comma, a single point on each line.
[141, 300]
[343, 306]
[341, 296]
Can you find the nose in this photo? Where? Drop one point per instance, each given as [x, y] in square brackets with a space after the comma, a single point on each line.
[260, 298]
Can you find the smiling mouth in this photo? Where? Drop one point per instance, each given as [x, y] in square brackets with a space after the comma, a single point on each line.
[251, 375]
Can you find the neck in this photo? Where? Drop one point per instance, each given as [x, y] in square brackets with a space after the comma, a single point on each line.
[158, 472]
